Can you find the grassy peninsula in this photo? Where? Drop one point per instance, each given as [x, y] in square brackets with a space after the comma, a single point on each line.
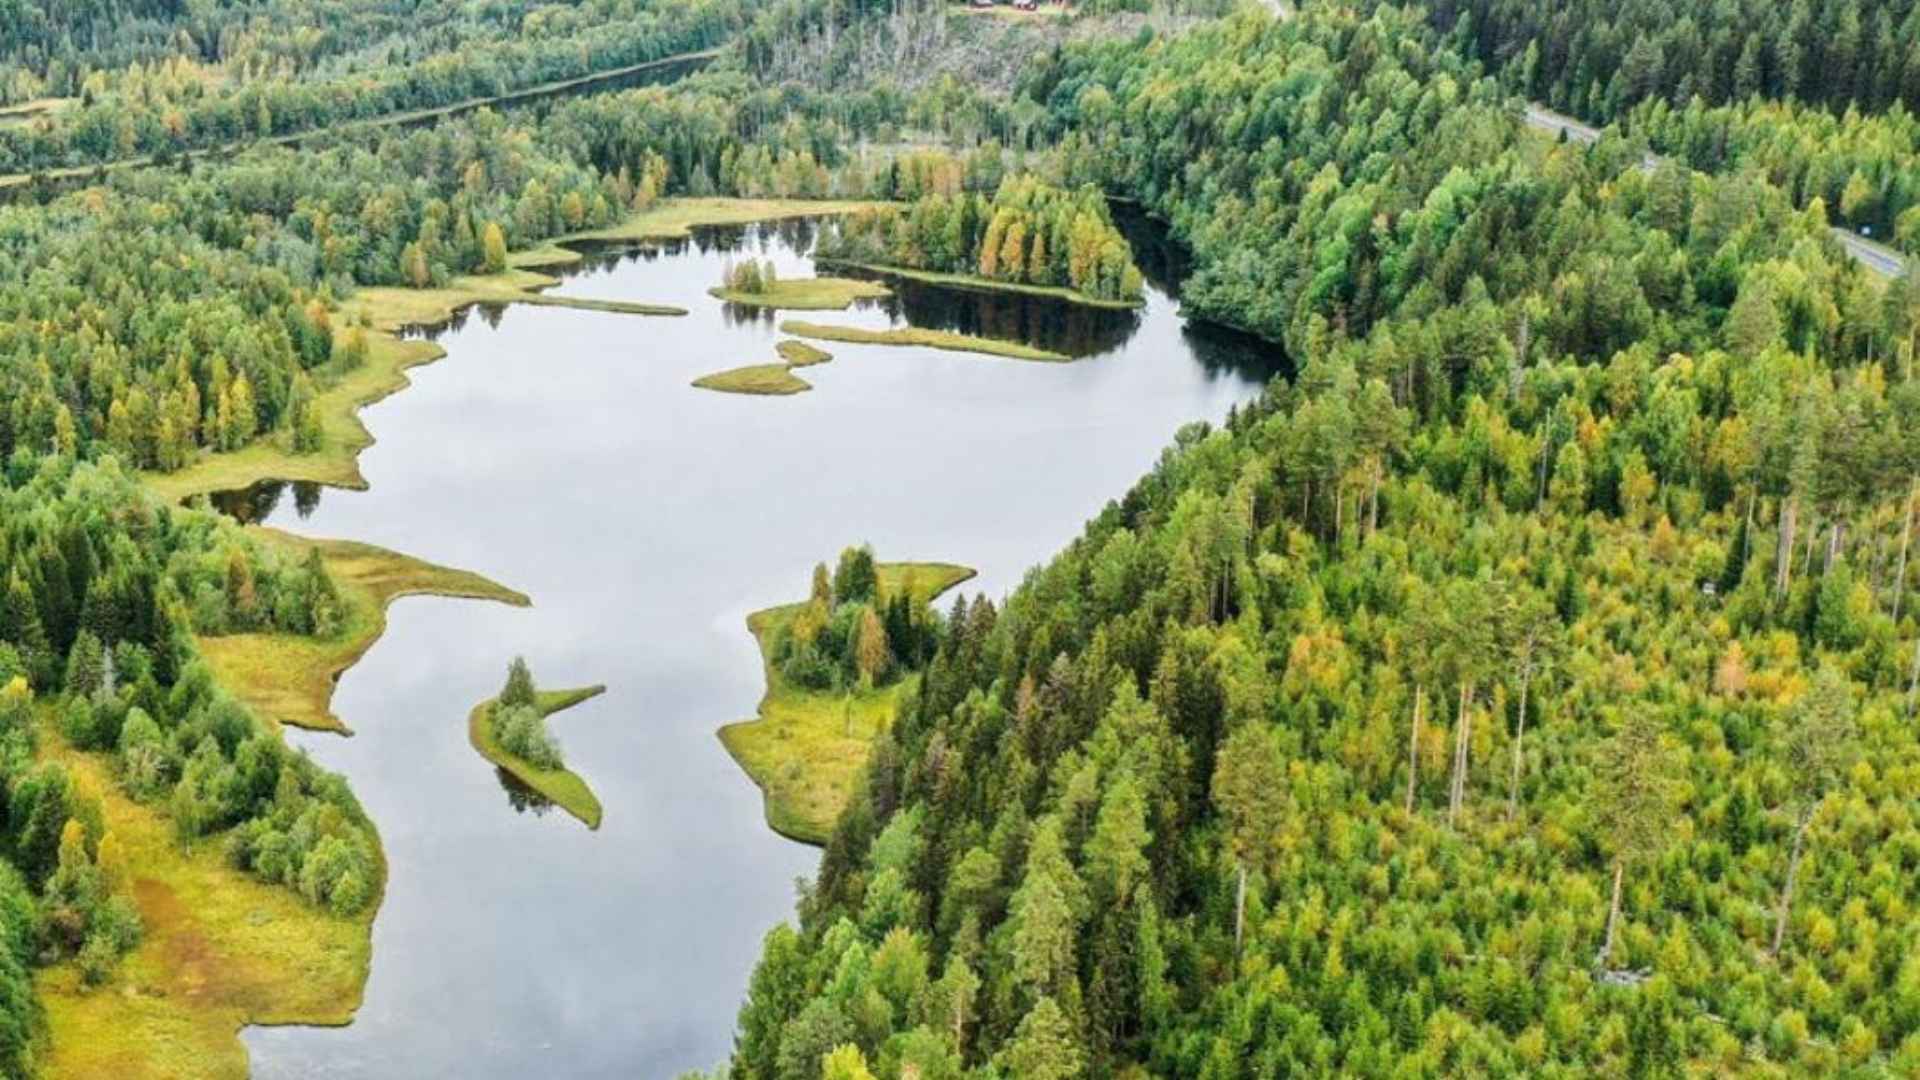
[219, 950]
[809, 744]
[288, 679]
[932, 339]
[976, 283]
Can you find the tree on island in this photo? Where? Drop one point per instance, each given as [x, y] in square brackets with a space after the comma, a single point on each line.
[516, 723]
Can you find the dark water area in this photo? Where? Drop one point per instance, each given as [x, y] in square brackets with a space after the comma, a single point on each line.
[564, 453]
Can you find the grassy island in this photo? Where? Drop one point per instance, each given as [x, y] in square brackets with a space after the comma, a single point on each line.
[773, 379]
[932, 339]
[801, 354]
[803, 294]
[810, 742]
[552, 780]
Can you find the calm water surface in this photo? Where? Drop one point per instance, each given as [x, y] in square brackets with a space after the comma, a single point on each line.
[563, 453]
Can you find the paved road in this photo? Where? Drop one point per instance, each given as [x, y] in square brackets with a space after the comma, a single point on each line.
[1874, 256]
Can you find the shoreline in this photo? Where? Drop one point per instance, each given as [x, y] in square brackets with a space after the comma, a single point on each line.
[386, 313]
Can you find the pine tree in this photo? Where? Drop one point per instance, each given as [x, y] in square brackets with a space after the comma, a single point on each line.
[1249, 786]
[493, 244]
[1821, 744]
[1633, 803]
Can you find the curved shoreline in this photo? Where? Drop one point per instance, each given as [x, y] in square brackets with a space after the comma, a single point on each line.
[305, 967]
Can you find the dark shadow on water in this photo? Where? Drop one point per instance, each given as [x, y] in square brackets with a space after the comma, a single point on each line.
[258, 502]
[1222, 350]
[522, 798]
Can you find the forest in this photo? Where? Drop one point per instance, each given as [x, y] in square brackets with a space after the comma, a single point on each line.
[1524, 687]
[176, 104]
[1600, 59]
[1027, 233]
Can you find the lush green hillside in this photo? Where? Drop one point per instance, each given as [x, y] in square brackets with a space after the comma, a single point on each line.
[1523, 690]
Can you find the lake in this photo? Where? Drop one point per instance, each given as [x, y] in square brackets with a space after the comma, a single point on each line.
[564, 453]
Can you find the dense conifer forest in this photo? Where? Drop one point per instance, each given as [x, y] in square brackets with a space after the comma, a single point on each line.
[1524, 686]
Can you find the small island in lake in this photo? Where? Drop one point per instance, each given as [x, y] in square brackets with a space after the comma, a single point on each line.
[837, 666]
[771, 379]
[511, 731]
[755, 283]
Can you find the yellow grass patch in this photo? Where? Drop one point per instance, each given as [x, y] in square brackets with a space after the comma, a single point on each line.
[755, 379]
[801, 354]
[220, 950]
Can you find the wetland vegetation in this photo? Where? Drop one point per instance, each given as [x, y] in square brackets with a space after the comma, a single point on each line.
[770, 379]
[1028, 236]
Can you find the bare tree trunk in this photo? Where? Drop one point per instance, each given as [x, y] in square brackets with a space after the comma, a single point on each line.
[1613, 914]
[1413, 745]
[1746, 552]
[1462, 733]
[1783, 559]
[1913, 677]
[1806, 549]
[1793, 876]
[1373, 501]
[1906, 534]
[1833, 545]
[1519, 736]
[1239, 910]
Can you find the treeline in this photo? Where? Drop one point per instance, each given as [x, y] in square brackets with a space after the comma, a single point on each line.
[852, 634]
[1028, 233]
[1819, 96]
[1599, 59]
[1523, 690]
[1863, 168]
[178, 108]
[1389, 183]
